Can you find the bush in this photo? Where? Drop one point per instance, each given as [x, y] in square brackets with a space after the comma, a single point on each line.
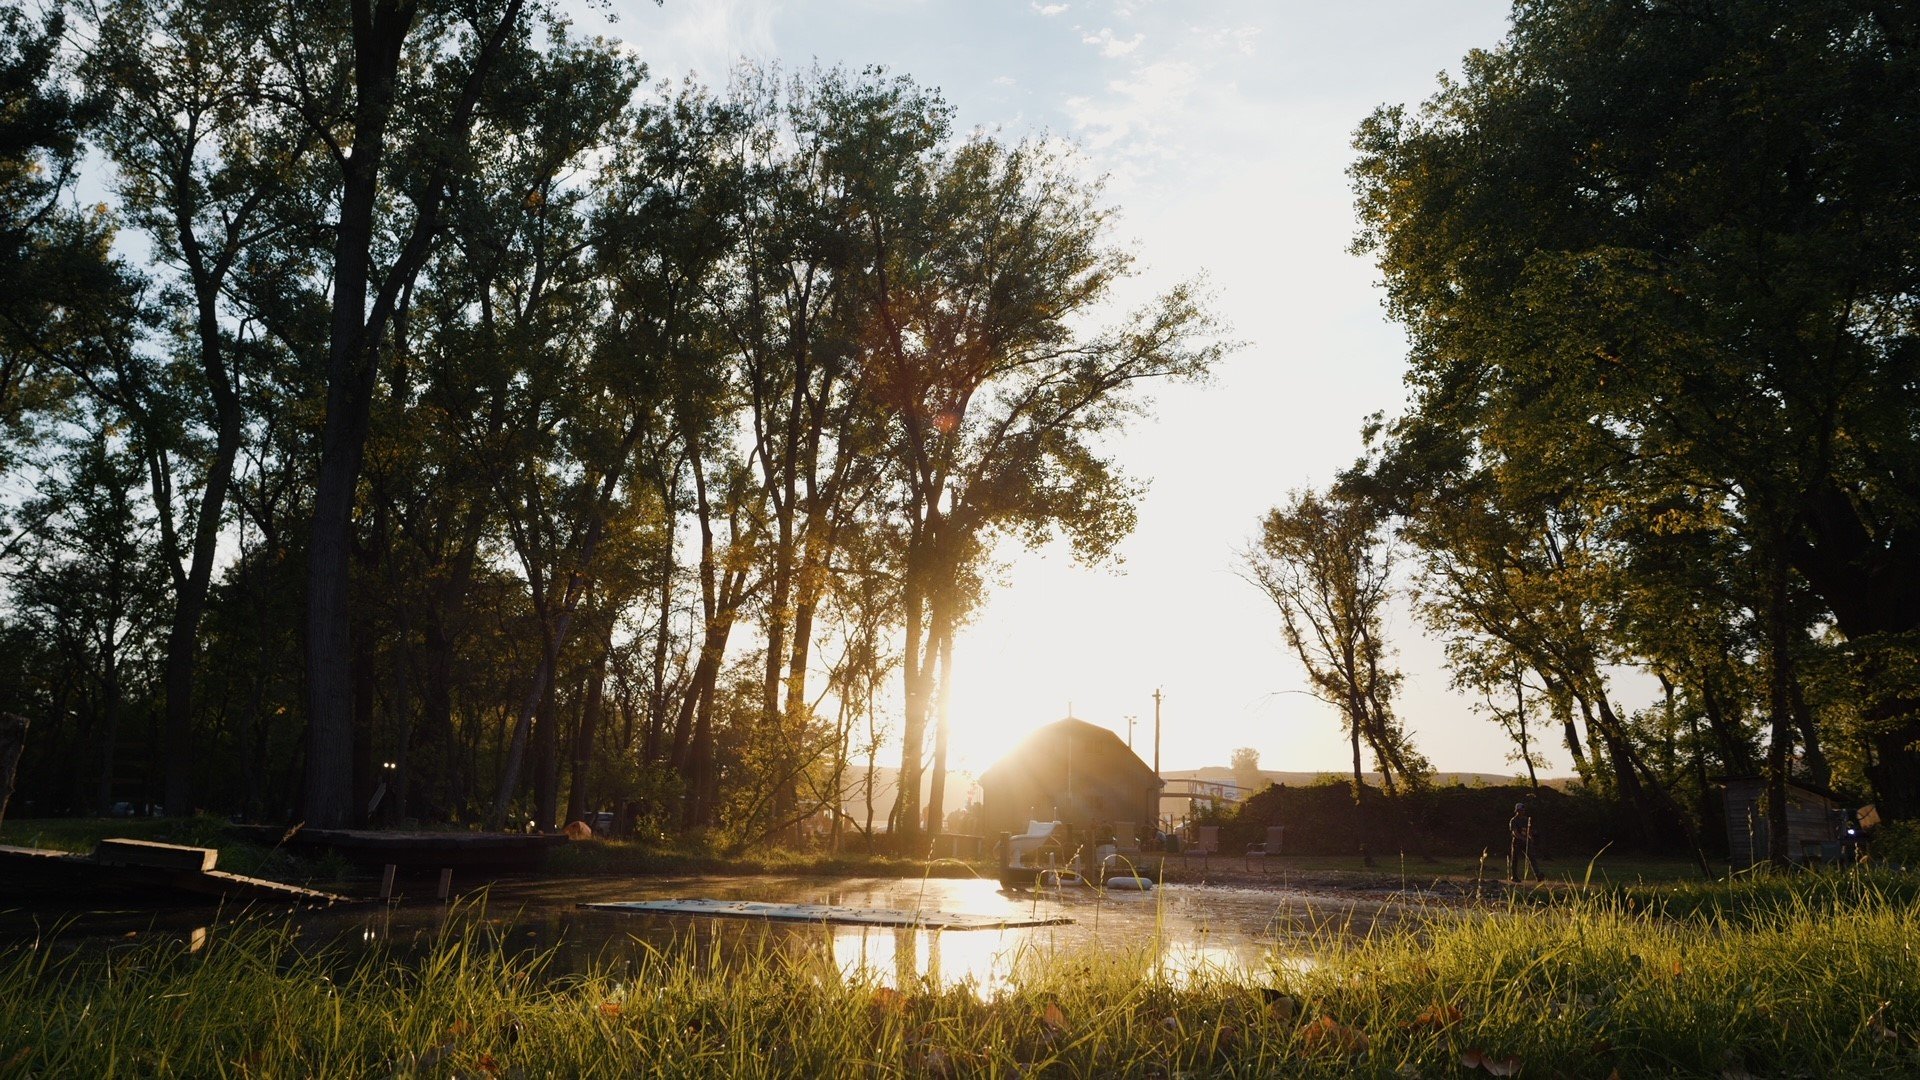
[1897, 843]
[1453, 820]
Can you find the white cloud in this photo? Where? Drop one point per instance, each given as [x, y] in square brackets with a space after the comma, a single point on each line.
[1049, 10]
[1113, 46]
[1005, 80]
[1238, 38]
[710, 38]
[1141, 105]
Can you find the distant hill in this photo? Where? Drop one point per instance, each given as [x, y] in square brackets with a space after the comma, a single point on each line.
[1221, 774]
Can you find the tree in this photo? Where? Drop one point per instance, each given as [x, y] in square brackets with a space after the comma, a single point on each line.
[983, 265]
[1327, 565]
[1245, 764]
[394, 94]
[208, 171]
[1667, 248]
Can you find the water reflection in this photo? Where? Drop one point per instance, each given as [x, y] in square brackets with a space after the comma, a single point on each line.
[1176, 933]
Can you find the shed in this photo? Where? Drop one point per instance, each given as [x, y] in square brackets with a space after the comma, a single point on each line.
[1816, 822]
[1070, 771]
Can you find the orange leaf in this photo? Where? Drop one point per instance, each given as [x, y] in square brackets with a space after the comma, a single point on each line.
[1439, 1017]
[610, 1008]
[1329, 1035]
[1054, 1017]
[460, 1029]
[487, 1065]
[889, 1000]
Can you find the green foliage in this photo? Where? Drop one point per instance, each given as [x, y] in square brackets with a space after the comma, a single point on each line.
[1456, 820]
[1326, 562]
[1897, 843]
[1655, 262]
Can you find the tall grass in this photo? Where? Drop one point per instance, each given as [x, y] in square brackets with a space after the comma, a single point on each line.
[1794, 988]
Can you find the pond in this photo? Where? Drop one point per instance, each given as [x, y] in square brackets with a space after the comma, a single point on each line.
[1179, 930]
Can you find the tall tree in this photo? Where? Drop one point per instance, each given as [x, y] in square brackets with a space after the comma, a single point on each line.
[396, 94]
[208, 170]
[1327, 565]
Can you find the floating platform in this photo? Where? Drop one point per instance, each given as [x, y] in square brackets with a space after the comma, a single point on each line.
[824, 913]
[140, 872]
[486, 853]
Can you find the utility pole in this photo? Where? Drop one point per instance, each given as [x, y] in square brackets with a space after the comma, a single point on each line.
[1131, 720]
[1159, 785]
[1156, 733]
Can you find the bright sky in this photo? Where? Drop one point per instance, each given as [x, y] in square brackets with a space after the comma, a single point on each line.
[1224, 128]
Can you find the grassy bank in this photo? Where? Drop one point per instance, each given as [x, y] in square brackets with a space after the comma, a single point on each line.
[1580, 989]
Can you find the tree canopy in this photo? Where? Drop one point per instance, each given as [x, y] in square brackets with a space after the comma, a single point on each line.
[1656, 262]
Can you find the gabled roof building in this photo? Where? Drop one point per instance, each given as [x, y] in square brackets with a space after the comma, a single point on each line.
[1070, 771]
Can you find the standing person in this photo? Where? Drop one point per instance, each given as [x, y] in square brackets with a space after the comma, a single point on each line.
[1521, 846]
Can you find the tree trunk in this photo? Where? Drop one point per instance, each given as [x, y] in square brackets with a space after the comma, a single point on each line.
[13, 739]
[937, 784]
[1359, 788]
[353, 346]
[1780, 702]
[583, 738]
[916, 672]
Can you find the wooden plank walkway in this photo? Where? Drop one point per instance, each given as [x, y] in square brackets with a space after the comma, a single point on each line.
[38, 875]
[486, 853]
[825, 913]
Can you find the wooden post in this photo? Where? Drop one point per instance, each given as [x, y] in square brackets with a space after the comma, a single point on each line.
[446, 882]
[386, 881]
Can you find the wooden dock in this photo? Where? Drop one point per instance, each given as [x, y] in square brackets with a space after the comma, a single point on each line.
[417, 852]
[138, 872]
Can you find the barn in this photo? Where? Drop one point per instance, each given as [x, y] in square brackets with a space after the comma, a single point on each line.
[1074, 772]
[1816, 822]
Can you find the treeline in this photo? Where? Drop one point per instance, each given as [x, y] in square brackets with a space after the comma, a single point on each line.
[1659, 266]
[411, 415]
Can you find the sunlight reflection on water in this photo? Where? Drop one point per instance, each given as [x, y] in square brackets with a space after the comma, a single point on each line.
[1177, 933]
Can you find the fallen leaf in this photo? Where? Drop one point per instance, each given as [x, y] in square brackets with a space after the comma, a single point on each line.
[1472, 1057]
[610, 1009]
[18, 1057]
[1329, 1035]
[887, 999]
[1054, 1017]
[1438, 1018]
[459, 1029]
[488, 1065]
[1284, 1008]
